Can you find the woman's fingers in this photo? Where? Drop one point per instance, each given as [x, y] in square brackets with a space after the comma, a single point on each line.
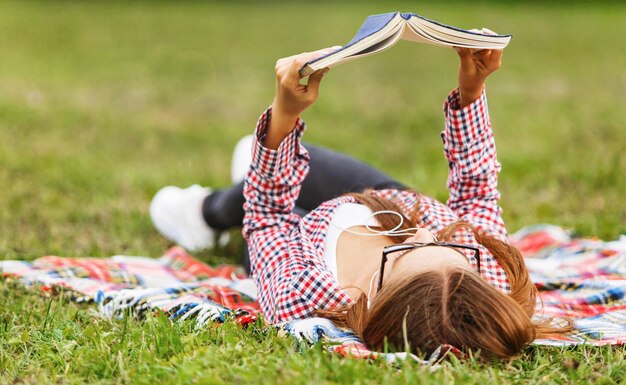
[489, 59]
[302, 59]
[309, 55]
[288, 69]
[315, 79]
[462, 51]
[495, 59]
[320, 52]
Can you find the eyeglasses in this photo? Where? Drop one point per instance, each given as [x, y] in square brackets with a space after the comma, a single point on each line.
[416, 245]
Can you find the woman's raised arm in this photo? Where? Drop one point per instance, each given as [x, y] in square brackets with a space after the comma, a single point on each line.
[279, 166]
[470, 147]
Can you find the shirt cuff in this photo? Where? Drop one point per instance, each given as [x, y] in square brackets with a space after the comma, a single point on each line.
[273, 164]
[464, 125]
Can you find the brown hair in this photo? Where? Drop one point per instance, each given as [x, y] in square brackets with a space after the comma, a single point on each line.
[422, 311]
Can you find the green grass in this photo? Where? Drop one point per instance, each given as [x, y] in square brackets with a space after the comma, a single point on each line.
[102, 103]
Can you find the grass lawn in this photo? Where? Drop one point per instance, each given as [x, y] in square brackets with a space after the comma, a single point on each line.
[102, 103]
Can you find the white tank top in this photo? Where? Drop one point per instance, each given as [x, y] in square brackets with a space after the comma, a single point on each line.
[345, 216]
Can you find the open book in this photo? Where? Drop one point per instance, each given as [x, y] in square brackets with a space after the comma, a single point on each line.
[380, 32]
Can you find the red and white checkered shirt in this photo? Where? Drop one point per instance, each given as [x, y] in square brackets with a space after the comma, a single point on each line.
[286, 251]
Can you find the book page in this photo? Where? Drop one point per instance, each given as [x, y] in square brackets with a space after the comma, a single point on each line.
[441, 34]
[424, 35]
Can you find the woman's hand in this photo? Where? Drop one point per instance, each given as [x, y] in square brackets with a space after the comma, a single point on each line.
[292, 98]
[474, 69]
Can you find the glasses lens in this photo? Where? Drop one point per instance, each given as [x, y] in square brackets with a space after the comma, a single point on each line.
[471, 253]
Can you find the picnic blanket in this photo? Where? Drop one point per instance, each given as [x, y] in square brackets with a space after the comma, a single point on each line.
[184, 288]
[582, 279]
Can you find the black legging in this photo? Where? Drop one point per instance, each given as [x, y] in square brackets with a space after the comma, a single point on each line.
[331, 175]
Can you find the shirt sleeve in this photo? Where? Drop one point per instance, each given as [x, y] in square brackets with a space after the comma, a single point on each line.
[271, 188]
[470, 149]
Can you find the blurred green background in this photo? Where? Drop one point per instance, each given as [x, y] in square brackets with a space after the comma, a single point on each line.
[103, 103]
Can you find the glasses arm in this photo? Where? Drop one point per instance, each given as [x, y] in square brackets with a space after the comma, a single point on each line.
[381, 272]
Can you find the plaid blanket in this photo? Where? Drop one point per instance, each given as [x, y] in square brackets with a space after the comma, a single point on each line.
[184, 288]
[582, 279]
[176, 283]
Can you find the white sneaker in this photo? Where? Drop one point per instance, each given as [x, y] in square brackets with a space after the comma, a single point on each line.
[177, 215]
[242, 158]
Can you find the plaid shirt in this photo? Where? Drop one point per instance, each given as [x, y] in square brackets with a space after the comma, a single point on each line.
[286, 251]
